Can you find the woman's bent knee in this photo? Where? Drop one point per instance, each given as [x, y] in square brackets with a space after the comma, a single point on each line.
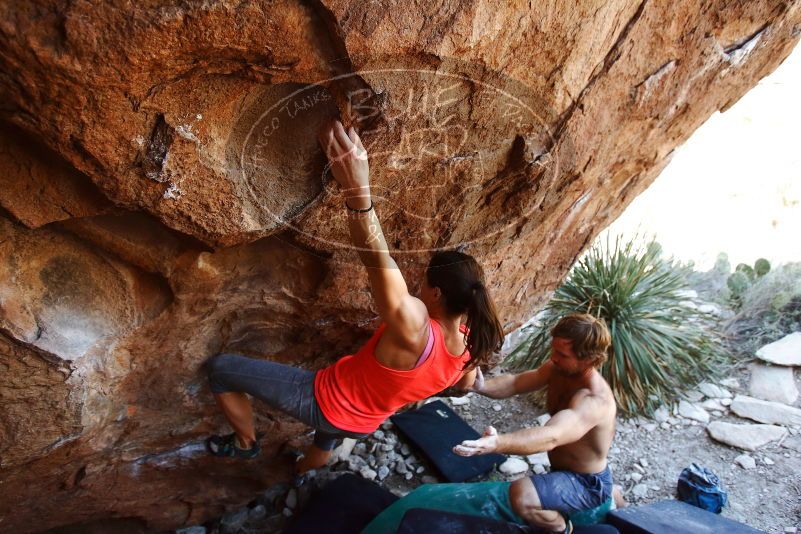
[215, 367]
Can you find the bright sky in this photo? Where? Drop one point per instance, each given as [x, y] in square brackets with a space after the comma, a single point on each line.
[735, 185]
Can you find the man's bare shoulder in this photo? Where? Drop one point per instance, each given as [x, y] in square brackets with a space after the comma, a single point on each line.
[596, 395]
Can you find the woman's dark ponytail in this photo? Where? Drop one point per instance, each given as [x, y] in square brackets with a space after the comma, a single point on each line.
[485, 334]
[461, 280]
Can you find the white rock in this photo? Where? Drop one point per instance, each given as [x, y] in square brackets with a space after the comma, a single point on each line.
[344, 450]
[539, 458]
[650, 427]
[786, 351]
[636, 477]
[543, 419]
[790, 530]
[792, 444]
[497, 407]
[773, 383]
[768, 461]
[460, 401]
[730, 383]
[711, 309]
[745, 461]
[367, 473]
[689, 304]
[713, 404]
[643, 462]
[661, 414]
[716, 413]
[687, 294]
[693, 411]
[713, 391]
[640, 490]
[694, 395]
[725, 402]
[513, 466]
[664, 425]
[539, 469]
[383, 472]
[748, 437]
[766, 411]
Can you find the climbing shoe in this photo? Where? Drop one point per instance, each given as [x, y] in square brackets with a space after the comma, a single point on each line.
[226, 446]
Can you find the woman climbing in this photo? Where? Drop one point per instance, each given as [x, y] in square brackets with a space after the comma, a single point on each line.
[420, 348]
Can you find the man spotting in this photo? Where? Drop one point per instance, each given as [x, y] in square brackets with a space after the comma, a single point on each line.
[578, 435]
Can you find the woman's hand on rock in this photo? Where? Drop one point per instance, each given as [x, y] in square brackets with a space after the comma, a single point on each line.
[348, 160]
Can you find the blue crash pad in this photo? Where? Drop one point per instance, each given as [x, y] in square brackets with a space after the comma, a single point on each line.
[435, 429]
[675, 517]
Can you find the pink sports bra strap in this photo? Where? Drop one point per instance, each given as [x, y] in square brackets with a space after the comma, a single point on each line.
[429, 347]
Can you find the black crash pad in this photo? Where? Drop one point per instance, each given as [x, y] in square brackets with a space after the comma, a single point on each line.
[675, 517]
[435, 429]
[343, 506]
[421, 521]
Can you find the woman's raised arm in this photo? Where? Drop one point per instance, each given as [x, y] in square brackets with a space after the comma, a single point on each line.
[404, 314]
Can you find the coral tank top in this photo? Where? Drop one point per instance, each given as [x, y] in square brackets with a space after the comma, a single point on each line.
[357, 393]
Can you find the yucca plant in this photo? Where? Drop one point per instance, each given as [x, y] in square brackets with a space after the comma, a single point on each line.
[659, 344]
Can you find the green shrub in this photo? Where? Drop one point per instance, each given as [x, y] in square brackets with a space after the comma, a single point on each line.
[770, 308]
[761, 267]
[743, 278]
[659, 346]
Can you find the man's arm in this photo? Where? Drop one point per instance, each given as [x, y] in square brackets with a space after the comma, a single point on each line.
[404, 315]
[504, 386]
[566, 426]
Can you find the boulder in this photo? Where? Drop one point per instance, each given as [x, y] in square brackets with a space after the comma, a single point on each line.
[513, 466]
[792, 443]
[543, 419]
[745, 461]
[661, 414]
[786, 351]
[714, 405]
[748, 437]
[714, 391]
[693, 411]
[694, 395]
[730, 382]
[773, 383]
[539, 458]
[766, 411]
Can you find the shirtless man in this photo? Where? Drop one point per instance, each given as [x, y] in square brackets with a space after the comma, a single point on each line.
[578, 435]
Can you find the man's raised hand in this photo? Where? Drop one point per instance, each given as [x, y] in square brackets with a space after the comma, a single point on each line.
[347, 157]
[484, 445]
